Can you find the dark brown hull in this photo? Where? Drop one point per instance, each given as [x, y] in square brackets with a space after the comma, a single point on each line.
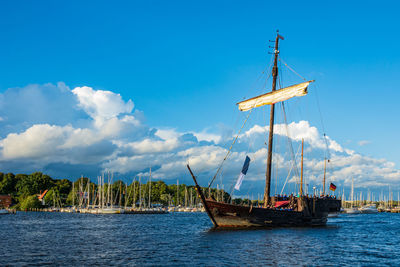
[313, 212]
[298, 211]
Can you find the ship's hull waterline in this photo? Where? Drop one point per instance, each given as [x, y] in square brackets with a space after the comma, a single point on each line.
[238, 216]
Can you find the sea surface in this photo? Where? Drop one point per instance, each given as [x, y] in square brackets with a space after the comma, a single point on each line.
[187, 239]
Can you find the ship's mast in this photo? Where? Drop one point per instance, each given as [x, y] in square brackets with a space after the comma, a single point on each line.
[301, 173]
[271, 125]
[323, 192]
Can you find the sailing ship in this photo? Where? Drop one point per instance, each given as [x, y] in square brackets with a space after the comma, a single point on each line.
[301, 210]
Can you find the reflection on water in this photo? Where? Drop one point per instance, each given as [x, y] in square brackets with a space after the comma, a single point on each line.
[188, 238]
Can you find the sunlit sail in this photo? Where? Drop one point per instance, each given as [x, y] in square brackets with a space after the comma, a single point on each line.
[275, 96]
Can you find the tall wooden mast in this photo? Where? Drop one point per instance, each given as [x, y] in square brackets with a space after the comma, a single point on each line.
[271, 125]
[323, 190]
[301, 174]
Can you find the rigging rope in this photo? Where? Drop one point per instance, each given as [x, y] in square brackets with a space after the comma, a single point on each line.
[254, 158]
[276, 162]
[289, 140]
[318, 105]
[269, 71]
[244, 123]
[322, 122]
[230, 149]
[327, 155]
[290, 171]
[292, 69]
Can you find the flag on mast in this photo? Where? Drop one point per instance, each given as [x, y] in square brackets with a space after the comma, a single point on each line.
[332, 187]
[242, 173]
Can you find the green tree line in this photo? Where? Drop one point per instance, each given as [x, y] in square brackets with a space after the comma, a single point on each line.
[25, 189]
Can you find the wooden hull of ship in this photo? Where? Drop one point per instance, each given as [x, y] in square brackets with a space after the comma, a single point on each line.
[314, 212]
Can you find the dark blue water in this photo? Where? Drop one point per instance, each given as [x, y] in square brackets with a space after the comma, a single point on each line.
[186, 239]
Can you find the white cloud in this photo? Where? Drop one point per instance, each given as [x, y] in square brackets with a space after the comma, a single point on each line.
[98, 130]
[203, 158]
[205, 136]
[44, 144]
[363, 142]
[50, 104]
[201, 136]
[37, 141]
[153, 146]
[166, 134]
[79, 138]
[125, 164]
[108, 118]
[297, 131]
[101, 105]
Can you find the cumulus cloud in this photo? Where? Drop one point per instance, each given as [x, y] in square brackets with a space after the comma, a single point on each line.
[36, 142]
[153, 146]
[101, 105]
[81, 126]
[51, 104]
[43, 143]
[167, 134]
[298, 131]
[206, 136]
[86, 131]
[363, 142]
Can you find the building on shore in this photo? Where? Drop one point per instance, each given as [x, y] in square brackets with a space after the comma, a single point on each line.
[5, 201]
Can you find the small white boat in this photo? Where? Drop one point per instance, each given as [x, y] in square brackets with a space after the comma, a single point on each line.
[370, 209]
[110, 211]
[333, 214]
[4, 212]
[352, 210]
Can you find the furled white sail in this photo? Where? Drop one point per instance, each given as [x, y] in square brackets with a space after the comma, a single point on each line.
[275, 96]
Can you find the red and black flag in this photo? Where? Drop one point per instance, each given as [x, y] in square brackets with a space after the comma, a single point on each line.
[332, 187]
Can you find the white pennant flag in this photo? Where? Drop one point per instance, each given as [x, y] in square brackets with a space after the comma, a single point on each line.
[242, 173]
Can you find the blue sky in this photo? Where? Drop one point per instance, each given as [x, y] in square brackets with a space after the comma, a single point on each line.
[184, 65]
